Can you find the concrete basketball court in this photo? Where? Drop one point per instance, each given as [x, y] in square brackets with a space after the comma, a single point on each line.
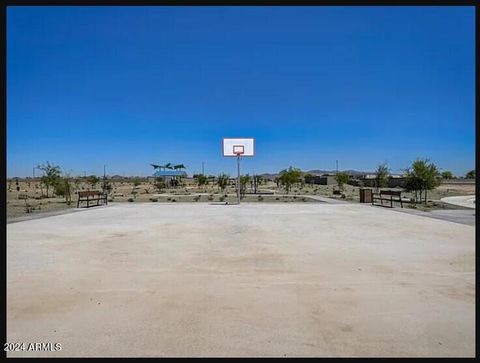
[254, 279]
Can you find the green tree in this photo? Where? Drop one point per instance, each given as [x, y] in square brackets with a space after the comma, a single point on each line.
[342, 179]
[201, 179]
[414, 184]
[63, 187]
[470, 174]
[447, 175]
[381, 176]
[289, 177]
[222, 181]
[257, 181]
[51, 174]
[422, 176]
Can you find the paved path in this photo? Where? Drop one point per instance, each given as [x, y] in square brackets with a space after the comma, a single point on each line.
[467, 201]
[463, 216]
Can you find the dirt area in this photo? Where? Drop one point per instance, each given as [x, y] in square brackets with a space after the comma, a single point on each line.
[126, 191]
[256, 279]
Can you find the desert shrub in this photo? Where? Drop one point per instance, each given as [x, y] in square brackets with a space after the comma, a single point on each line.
[294, 197]
[201, 179]
[304, 199]
[130, 200]
[196, 198]
[221, 199]
[153, 199]
[260, 198]
[223, 180]
[160, 185]
[342, 179]
[210, 197]
[173, 200]
[277, 198]
[169, 199]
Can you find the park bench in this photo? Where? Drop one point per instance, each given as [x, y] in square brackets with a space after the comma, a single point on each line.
[23, 196]
[91, 196]
[391, 193]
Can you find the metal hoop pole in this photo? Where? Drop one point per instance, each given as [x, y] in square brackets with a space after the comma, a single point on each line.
[238, 178]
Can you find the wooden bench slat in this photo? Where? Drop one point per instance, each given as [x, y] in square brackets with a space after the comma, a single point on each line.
[391, 193]
[98, 196]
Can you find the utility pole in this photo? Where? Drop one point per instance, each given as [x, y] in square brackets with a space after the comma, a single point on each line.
[33, 172]
[203, 168]
[337, 167]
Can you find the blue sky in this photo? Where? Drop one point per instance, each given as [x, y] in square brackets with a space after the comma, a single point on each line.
[127, 86]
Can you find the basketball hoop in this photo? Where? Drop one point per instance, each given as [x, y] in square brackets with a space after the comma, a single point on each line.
[235, 147]
[238, 147]
[238, 150]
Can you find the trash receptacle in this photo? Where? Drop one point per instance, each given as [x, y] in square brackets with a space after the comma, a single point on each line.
[365, 195]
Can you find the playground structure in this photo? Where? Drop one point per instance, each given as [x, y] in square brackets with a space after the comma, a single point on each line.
[169, 173]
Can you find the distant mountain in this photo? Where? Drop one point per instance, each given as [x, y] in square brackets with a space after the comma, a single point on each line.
[269, 176]
[350, 172]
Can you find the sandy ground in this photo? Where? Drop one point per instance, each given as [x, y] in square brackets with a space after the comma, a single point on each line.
[126, 191]
[151, 279]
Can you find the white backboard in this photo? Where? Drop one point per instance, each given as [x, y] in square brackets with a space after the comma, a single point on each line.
[244, 146]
